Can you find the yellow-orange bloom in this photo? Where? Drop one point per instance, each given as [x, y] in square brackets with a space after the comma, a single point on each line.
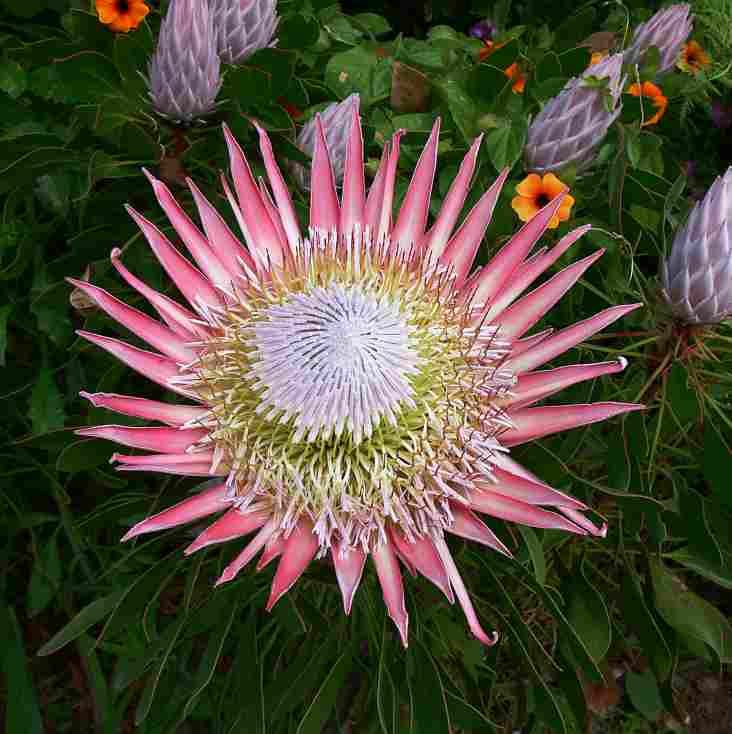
[535, 192]
[597, 56]
[693, 58]
[650, 91]
[513, 72]
[122, 16]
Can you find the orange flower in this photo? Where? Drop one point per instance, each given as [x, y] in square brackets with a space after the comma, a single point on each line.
[121, 15]
[513, 72]
[597, 56]
[535, 192]
[655, 95]
[488, 48]
[693, 58]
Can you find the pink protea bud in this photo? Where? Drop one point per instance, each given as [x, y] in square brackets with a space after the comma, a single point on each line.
[667, 30]
[697, 276]
[571, 126]
[243, 27]
[336, 119]
[184, 73]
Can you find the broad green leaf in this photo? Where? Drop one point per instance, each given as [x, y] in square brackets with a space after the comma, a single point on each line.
[371, 23]
[720, 574]
[505, 143]
[643, 692]
[46, 404]
[431, 712]
[694, 514]
[45, 579]
[588, 614]
[21, 703]
[683, 399]
[83, 456]
[13, 79]
[86, 618]
[359, 70]
[717, 464]
[297, 32]
[319, 711]
[690, 615]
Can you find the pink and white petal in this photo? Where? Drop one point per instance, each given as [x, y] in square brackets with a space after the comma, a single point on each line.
[528, 342]
[387, 203]
[179, 319]
[273, 549]
[412, 219]
[325, 211]
[281, 193]
[533, 423]
[437, 238]
[529, 271]
[251, 550]
[505, 508]
[223, 241]
[375, 198]
[390, 579]
[461, 250]
[191, 282]
[259, 231]
[579, 519]
[468, 525]
[462, 594]
[527, 490]
[534, 386]
[234, 524]
[353, 200]
[203, 504]
[153, 366]
[516, 320]
[181, 460]
[299, 550]
[197, 244]
[422, 554]
[274, 216]
[153, 410]
[153, 332]
[198, 469]
[567, 338]
[497, 272]
[349, 564]
[162, 440]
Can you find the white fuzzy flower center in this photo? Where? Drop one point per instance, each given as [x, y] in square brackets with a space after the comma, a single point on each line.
[334, 358]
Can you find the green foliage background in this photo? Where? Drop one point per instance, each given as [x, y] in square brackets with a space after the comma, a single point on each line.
[105, 637]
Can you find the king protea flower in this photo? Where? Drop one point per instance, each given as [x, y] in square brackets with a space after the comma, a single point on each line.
[184, 74]
[697, 276]
[354, 391]
[571, 126]
[243, 27]
[667, 30]
[336, 120]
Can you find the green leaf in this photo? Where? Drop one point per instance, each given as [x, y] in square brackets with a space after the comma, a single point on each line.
[640, 620]
[719, 573]
[693, 510]
[430, 704]
[45, 578]
[683, 399]
[319, 711]
[487, 82]
[46, 404]
[687, 613]
[643, 692]
[297, 32]
[717, 464]
[248, 86]
[536, 552]
[576, 28]
[21, 703]
[4, 314]
[504, 144]
[86, 618]
[13, 79]
[83, 456]
[359, 70]
[588, 614]
[371, 23]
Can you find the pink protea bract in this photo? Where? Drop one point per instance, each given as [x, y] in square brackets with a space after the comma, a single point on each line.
[354, 391]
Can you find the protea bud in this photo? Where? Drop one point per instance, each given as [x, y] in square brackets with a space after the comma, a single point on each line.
[336, 119]
[667, 30]
[571, 126]
[184, 72]
[243, 27]
[485, 30]
[697, 276]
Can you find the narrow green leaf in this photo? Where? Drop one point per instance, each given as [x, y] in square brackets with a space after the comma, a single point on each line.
[318, 712]
[430, 704]
[46, 404]
[643, 692]
[45, 579]
[536, 552]
[588, 614]
[4, 314]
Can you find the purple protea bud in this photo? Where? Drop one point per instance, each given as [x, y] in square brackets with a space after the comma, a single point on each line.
[243, 27]
[184, 72]
[667, 30]
[484, 29]
[697, 276]
[336, 119]
[571, 126]
[721, 115]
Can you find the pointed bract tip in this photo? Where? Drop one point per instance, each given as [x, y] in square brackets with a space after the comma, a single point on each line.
[623, 362]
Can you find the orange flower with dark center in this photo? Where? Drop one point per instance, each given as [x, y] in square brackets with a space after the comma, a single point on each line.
[122, 16]
[488, 48]
[693, 58]
[535, 192]
[648, 90]
[513, 72]
[597, 56]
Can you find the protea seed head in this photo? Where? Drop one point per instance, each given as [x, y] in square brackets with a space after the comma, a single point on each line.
[184, 72]
[571, 126]
[354, 390]
[697, 276]
[336, 120]
[243, 27]
[667, 30]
